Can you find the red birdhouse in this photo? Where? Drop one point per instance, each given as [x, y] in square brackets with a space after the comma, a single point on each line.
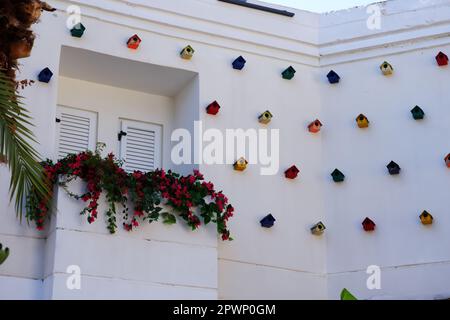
[447, 160]
[442, 59]
[315, 126]
[134, 42]
[292, 172]
[368, 225]
[213, 108]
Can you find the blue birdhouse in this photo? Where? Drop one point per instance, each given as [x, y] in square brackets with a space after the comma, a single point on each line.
[45, 75]
[268, 221]
[289, 73]
[239, 63]
[333, 77]
[393, 168]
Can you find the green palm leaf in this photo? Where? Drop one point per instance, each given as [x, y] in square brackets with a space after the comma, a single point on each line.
[15, 147]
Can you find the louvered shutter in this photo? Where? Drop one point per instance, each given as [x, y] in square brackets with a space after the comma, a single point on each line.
[141, 146]
[76, 131]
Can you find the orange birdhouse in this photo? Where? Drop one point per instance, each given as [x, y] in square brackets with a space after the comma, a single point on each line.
[447, 160]
[134, 42]
[240, 165]
[426, 218]
[315, 126]
[292, 172]
[362, 121]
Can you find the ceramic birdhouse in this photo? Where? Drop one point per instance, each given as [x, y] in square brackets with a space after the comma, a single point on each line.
[289, 73]
[315, 126]
[418, 113]
[4, 253]
[368, 225]
[268, 221]
[393, 168]
[78, 30]
[426, 218]
[337, 176]
[347, 296]
[239, 63]
[318, 229]
[292, 172]
[362, 121]
[240, 165]
[213, 108]
[447, 160]
[386, 68]
[442, 59]
[333, 77]
[265, 117]
[45, 75]
[134, 42]
[187, 53]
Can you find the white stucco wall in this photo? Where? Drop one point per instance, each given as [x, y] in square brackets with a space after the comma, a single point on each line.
[285, 261]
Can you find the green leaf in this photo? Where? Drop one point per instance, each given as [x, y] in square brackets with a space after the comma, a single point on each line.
[206, 219]
[169, 219]
[346, 295]
[15, 145]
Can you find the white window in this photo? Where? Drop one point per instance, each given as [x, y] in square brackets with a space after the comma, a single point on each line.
[140, 146]
[76, 131]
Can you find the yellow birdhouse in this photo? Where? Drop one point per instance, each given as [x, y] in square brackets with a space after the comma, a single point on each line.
[362, 121]
[265, 117]
[318, 229]
[187, 53]
[426, 218]
[386, 68]
[240, 165]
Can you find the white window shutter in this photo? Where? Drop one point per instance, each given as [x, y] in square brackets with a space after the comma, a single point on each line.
[76, 131]
[141, 147]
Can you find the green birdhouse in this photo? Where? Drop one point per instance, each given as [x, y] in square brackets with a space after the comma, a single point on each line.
[337, 176]
[78, 30]
[417, 113]
[4, 253]
[347, 296]
[289, 73]
[265, 117]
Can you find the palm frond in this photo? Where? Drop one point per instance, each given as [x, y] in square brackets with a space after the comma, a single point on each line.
[15, 147]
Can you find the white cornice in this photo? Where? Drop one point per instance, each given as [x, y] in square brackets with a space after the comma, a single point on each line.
[308, 38]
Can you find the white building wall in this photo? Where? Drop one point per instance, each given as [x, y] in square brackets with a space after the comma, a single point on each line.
[285, 261]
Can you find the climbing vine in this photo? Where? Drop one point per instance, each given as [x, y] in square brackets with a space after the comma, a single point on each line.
[148, 192]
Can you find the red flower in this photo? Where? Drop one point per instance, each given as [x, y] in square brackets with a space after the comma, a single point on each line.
[138, 213]
[137, 175]
[226, 236]
[198, 175]
[149, 190]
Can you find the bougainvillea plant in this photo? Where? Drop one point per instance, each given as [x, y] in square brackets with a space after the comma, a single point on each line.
[190, 197]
